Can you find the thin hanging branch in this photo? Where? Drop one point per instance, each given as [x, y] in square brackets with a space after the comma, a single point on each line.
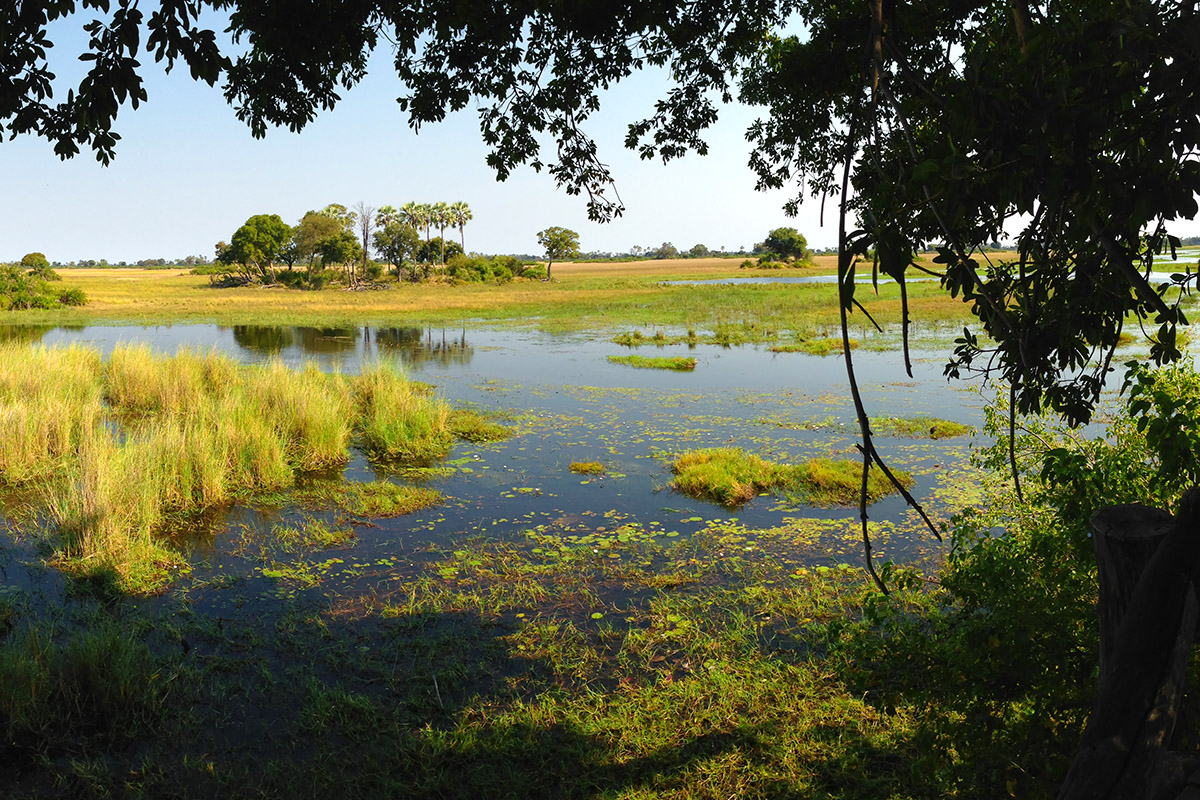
[845, 297]
[1012, 439]
[904, 323]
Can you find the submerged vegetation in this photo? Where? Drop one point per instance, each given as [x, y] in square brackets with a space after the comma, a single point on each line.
[676, 363]
[731, 476]
[921, 427]
[814, 347]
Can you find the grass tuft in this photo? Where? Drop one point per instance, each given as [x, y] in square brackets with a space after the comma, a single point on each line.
[814, 347]
[730, 476]
[397, 419]
[471, 426]
[677, 363]
[588, 468]
[920, 427]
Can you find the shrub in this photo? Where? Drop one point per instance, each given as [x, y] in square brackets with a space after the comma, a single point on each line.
[290, 278]
[476, 269]
[21, 290]
[72, 297]
[531, 270]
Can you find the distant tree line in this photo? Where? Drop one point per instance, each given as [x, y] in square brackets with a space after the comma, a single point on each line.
[781, 245]
[145, 263]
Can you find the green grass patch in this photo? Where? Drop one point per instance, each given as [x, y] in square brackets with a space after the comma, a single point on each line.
[376, 498]
[100, 685]
[588, 468]
[920, 427]
[471, 426]
[313, 534]
[677, 363]
[126, 452]
[398, 419]
[730, 476]
[814, 347]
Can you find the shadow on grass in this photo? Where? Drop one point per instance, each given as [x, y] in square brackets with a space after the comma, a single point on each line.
[289, 700]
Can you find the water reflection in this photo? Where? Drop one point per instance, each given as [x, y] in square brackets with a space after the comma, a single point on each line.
[414, 346]
[31, 334]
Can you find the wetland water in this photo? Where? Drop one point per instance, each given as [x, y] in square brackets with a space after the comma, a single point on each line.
[568, 404]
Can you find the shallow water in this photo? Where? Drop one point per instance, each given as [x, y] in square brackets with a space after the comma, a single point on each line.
[574, 405]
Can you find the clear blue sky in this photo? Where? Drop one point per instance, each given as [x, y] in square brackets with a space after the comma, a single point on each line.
[187, 174]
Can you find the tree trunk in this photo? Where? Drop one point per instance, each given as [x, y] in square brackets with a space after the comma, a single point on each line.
[1148, 613]
[1124, 539]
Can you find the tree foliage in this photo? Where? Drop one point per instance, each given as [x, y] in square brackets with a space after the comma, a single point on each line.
[1074, 123]
[396, 241]
[22, 288]
[39, 266]
[533, 70]
[559, 243]
[257, 244]
[787, 243]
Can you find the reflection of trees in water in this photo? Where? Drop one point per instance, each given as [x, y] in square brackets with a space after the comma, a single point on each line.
[311, 341]
[417, 346]
[412, 345]
[327, 341]
[31, 334]
[262, 337]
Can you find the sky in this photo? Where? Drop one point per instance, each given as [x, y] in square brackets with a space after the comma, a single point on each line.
[187, 174]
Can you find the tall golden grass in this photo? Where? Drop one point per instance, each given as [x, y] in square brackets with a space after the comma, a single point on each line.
[124, 448]
[49, 400]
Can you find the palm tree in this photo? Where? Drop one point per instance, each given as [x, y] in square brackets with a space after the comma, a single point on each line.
[460, 216]
[385, 215]
[426, 212]
[415, 214]
[442, 217]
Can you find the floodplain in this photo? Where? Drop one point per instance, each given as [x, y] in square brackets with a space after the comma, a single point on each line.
[448, 552]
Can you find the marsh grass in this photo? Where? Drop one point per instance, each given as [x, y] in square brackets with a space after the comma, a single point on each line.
[588, 468]
[312, 534]
[920, 427]
[398, 419]
[814, 347]
[471, 426]
[730, 476]
[100, 681]
[50, 399]
[369, 499]
[676, 363]
[124, 450]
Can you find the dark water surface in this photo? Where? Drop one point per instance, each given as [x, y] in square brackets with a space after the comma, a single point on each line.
[571, 404]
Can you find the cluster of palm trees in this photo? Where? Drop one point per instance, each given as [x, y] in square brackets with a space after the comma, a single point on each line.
[425, 216]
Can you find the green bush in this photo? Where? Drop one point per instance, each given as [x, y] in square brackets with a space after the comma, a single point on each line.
[22, 290]
[321, 278]
[480, 269]
[291, 278]
[998, 663]
[72, 297]
[531, 270]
